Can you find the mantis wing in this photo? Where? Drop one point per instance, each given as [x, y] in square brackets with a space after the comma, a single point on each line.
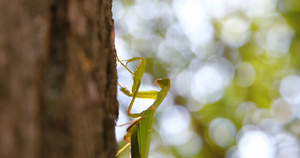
[135, 150]
[144, 132]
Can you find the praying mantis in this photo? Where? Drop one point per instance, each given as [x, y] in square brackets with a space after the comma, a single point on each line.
[140, 129]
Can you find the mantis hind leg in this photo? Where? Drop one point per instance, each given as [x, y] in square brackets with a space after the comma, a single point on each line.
[131, 130]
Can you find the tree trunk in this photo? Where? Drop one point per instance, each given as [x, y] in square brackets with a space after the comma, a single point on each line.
[57, 79]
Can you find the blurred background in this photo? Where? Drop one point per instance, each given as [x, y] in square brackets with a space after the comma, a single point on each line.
[234, 66]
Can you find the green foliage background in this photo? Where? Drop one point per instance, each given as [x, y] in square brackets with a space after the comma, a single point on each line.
[248, 55]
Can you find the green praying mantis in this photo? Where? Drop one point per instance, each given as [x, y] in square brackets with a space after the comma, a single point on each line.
[140, 129]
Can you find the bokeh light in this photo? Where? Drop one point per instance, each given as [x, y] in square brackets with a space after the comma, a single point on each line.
[222, 131]
[255, 143]
[234, 67]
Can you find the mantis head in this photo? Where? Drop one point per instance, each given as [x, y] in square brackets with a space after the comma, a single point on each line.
[164, 82]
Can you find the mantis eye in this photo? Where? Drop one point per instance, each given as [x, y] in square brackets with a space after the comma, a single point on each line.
[165, 82]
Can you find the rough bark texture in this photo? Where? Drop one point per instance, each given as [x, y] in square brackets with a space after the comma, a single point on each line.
[57, 79]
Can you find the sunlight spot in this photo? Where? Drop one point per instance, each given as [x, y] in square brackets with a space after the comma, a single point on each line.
[221, 8]
[287, 146]
[207, 84]
[245, 75]
[222, 131]
[236, 31]
[181, 84]
[257, 8]
[256, 144]
[210, 80]
[278, 40]
[245, 111]
[193, 20]
[282, 111]
[192, 147]
[290, 89]
[174, 123]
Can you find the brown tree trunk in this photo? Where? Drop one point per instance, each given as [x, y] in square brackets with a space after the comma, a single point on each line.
[57, 79]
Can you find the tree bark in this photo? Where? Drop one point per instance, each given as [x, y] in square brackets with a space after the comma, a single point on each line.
[57, 79]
